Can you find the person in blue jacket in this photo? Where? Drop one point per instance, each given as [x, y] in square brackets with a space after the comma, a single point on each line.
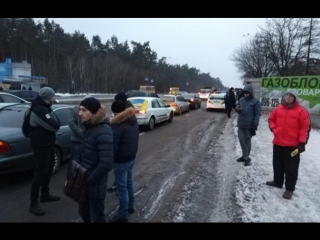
[249, 110]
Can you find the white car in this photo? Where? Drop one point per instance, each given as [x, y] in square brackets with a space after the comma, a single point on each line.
[215, 101]
[151, 111]
[7, 99]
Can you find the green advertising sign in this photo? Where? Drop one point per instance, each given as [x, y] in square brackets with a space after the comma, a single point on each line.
[307, 87]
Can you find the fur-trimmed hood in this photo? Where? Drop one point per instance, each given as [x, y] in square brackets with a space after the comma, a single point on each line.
[123, 116]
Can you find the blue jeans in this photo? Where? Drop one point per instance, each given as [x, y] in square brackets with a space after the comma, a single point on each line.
[125, 187]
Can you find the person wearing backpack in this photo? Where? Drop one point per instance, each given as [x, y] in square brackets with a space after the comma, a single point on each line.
[44, 125]
[230, 101]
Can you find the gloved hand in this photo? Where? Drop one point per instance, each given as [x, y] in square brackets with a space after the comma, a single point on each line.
[255, 127]
[301, 147]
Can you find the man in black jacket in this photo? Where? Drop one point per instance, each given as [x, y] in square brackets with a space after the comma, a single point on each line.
[44, 125]
[96, 155]
[125, 145]
[230, 101]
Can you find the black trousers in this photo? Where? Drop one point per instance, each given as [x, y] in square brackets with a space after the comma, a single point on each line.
[43, 166]
[229, 109]
[285, 167]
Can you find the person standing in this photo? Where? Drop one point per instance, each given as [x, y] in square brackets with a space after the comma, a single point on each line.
[44, 125]
[291, 125]
[77, 129]
[122, 97]
[125, 145]
[249, 110]
[239, 95]
[96, 155]
[230, 101]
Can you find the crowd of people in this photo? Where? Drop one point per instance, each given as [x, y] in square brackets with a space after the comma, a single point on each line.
[102, 144]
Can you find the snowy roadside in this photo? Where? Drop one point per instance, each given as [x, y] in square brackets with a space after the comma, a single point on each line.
[262, 203]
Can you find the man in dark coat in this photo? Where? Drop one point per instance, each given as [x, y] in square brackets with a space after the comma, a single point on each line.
[230, 101]
[125, 145]
[77, 129]
[96, 155]
[44, 126]
[249, 110]
[122, 97]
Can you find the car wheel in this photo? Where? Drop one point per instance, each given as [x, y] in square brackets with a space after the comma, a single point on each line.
[180, 111]
[170, 118]
[150, 126]
[57, 161]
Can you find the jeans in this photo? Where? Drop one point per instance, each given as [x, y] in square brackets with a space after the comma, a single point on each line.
[125, 187]
[43, 166]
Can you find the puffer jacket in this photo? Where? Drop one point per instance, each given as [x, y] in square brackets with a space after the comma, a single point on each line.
[44, 124]
[251, 110]
[96, 151]
[290, 126]
[125, 135]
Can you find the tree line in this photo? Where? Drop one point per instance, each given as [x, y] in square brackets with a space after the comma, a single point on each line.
[283, 47]
[70, 61]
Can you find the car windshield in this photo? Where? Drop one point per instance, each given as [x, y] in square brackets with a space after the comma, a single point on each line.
[167, 98]
[11, 118]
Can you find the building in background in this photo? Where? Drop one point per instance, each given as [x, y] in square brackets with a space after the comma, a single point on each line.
[18, 76]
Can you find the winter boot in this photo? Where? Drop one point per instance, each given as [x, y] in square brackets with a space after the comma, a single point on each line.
[241, 159]
[273, 184]
[36, 209]
[287, 194]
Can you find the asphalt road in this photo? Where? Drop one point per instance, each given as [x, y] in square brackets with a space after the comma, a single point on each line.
[167, 159]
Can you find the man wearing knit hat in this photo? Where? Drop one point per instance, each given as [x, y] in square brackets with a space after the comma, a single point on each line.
[125, 146]
[77, 129]
[96, 155]
[44, 124]
[122, 97]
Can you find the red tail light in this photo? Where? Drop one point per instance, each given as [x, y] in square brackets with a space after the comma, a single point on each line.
[174, 105]
[4, 147]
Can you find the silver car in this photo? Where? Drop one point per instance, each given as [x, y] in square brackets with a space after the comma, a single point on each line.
[16, 154]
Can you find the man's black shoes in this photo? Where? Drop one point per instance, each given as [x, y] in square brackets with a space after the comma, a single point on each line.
[112, 189]
[241, 159]
[36, 209]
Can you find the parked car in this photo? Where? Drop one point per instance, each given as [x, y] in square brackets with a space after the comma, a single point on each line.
[177, 102]
[7, 99]
[28, 95]
[193, 99]
[139, 93]
[16, 154]
[215, 101]
[151, 111]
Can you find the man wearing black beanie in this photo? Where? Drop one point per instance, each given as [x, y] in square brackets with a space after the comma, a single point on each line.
[125, 146]
[96, 156]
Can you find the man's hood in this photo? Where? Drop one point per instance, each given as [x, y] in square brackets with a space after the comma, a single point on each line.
[248, 88]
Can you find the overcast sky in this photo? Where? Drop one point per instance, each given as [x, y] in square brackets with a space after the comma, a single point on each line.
[203, 43]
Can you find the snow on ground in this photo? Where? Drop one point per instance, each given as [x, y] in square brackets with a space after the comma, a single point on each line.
[262, 203]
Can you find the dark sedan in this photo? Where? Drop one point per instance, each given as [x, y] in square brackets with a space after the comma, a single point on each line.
[193, 99]
[16, 154]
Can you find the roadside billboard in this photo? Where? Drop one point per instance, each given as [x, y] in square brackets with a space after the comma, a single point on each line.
[307, 87]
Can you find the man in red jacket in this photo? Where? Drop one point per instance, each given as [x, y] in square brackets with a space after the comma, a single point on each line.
[291, 125]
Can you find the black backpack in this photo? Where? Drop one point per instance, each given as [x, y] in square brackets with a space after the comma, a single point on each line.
[26, 128]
